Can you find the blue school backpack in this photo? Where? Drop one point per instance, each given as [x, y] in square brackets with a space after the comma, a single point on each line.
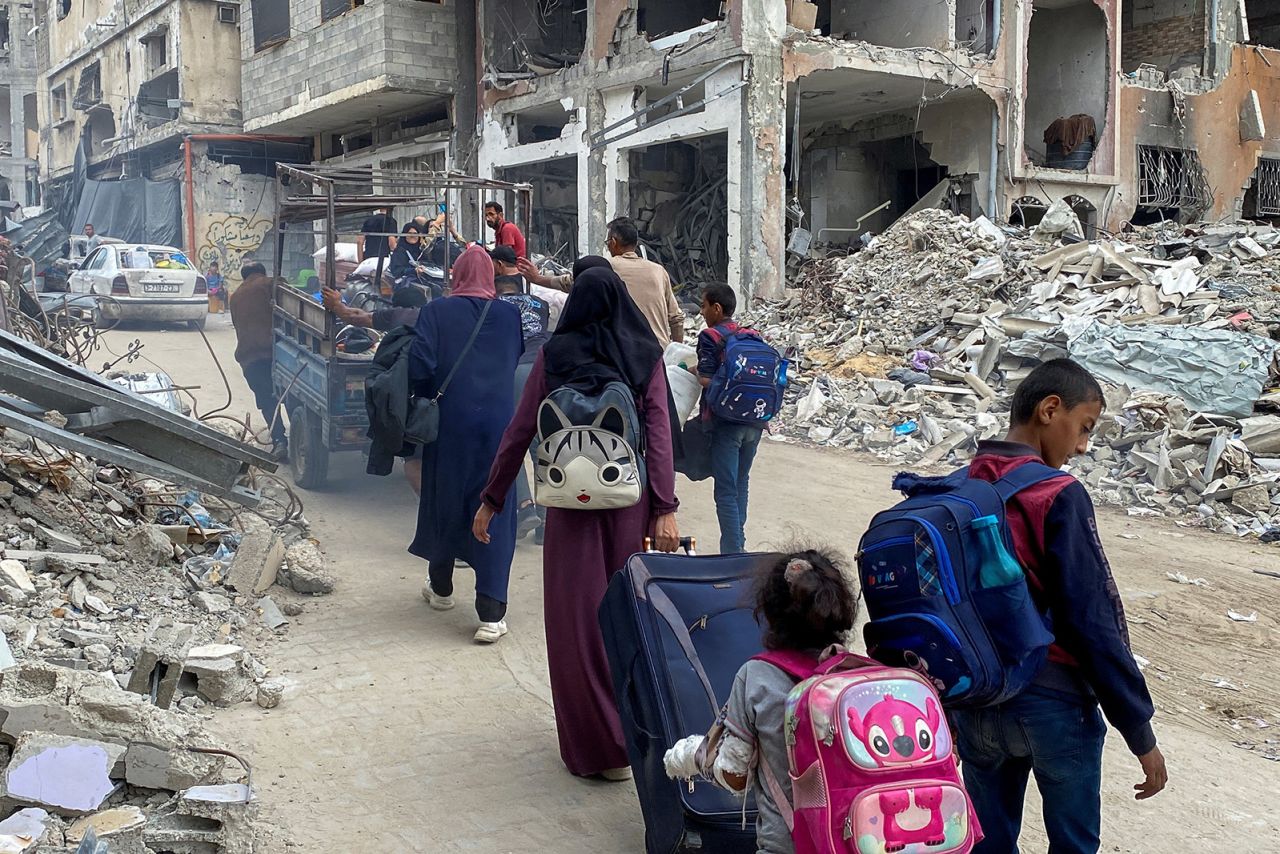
[747, 387]
[946, 596]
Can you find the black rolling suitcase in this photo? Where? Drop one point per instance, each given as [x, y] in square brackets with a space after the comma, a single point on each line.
[676, 629]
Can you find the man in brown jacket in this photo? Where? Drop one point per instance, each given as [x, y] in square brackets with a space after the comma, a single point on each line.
[251, 315]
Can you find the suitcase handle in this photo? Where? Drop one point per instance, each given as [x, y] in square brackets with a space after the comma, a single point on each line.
[689, 544]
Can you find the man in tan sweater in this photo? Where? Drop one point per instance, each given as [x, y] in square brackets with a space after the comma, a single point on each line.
[647, 282]
[251, 315]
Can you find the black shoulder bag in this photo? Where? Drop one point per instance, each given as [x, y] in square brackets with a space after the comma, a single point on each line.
[423, 424]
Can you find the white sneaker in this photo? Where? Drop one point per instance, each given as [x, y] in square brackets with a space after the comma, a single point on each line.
[436, 601]
[616, 775]
[490, 632]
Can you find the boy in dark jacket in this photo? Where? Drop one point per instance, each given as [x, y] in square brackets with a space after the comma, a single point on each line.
[733, 446]
[1054, 728]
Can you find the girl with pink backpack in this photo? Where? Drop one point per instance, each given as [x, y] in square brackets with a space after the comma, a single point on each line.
[844, 754]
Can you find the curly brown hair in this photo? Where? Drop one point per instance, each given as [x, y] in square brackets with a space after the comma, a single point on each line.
[805, 600]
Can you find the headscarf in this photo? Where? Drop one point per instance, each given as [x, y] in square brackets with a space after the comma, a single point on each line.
[472, 275]
[586, 262]
[601, 337]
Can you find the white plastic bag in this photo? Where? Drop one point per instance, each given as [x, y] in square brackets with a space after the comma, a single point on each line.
[677, 353]
[685, 390]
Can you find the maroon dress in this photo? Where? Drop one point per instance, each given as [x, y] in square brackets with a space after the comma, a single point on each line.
[582, 551]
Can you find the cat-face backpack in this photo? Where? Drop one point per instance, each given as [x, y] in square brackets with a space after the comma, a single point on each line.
[590, 450]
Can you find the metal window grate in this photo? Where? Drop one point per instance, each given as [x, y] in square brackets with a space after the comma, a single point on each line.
[1266, 185]
[1172, 178]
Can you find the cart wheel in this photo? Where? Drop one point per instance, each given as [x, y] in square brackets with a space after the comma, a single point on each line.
[100, 322]
[308, 456]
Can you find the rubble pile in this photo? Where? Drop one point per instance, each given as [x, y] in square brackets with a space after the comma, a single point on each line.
[912, 348]
[128, 605]
[85, 760]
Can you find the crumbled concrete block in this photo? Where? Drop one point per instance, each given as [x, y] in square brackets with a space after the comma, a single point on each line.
[108, 824]
[65, 774]
[158, 669]
[58, 540]
[1253, 499]
[211, 603]
[220, 680]
[150, 545]
[14, 596]
[257, 560]
[270, 612]
[304, 569]
[14, 574]
[81, 638]
[23, 831]
[271, 692]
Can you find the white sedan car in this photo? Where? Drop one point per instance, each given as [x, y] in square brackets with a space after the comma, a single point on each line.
[144, 283]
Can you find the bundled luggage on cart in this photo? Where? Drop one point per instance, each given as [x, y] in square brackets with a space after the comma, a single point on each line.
[676, 629]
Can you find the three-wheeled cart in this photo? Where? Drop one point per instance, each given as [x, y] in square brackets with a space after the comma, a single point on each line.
[320, 386]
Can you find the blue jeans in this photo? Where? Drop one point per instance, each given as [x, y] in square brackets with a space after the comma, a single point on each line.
[733, 449]
[1056, 738]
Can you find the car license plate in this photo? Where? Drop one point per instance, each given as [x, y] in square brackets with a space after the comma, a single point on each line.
[160, 288]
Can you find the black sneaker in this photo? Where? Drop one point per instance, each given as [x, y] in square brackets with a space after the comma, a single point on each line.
[527, 520]
[280, 452]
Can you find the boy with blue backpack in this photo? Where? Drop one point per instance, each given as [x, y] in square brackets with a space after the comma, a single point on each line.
[992, 582]
[742, 379]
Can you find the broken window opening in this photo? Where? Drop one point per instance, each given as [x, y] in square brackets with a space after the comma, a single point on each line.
[89, 89]
[1086, 213]
[1171, 186]
[64, 8]
[539, 124]
[1068, 78]
[663, 18]
[158, 100]
[533, 38]
[906, 23]
[59, 103]
[330, 9]
[257, 158]
[555, 191]
[155, 48]
[4, 31]
[1169, 36]
[848, 182]
[100, 127]
[270, 23]
[678, 197]
[1263, 22]
[1262, 199]
[1027, 212]
[31, 125]
[975, 25]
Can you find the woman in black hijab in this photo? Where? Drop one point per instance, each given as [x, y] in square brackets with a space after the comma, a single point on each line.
[601, 338]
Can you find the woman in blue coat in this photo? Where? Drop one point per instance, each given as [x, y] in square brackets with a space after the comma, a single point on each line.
[474, 411]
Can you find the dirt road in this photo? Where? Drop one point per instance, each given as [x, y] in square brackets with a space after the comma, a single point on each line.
[405, 736]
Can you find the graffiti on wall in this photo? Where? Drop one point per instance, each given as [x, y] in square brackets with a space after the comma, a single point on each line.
[228, 238]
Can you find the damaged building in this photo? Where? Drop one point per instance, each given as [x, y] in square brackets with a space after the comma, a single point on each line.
[19, 130]
[376, 84]
[141, 124]
[731, 130]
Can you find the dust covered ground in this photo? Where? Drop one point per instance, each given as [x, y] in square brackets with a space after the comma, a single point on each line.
[406, 736]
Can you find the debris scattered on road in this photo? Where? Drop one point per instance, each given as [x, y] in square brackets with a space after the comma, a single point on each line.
[924, 328]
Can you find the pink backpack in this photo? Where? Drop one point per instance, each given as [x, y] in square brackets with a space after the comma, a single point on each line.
[872, 765]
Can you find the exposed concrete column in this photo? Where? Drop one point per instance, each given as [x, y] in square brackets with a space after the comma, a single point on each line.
[762, 153]
[594, 194]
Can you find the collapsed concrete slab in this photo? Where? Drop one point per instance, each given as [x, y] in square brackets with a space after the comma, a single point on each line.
[220, 674]
[257, 559]
[60, 773]
[112, 824]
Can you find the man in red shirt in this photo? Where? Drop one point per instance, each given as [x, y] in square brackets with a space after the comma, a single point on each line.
[505, 233]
